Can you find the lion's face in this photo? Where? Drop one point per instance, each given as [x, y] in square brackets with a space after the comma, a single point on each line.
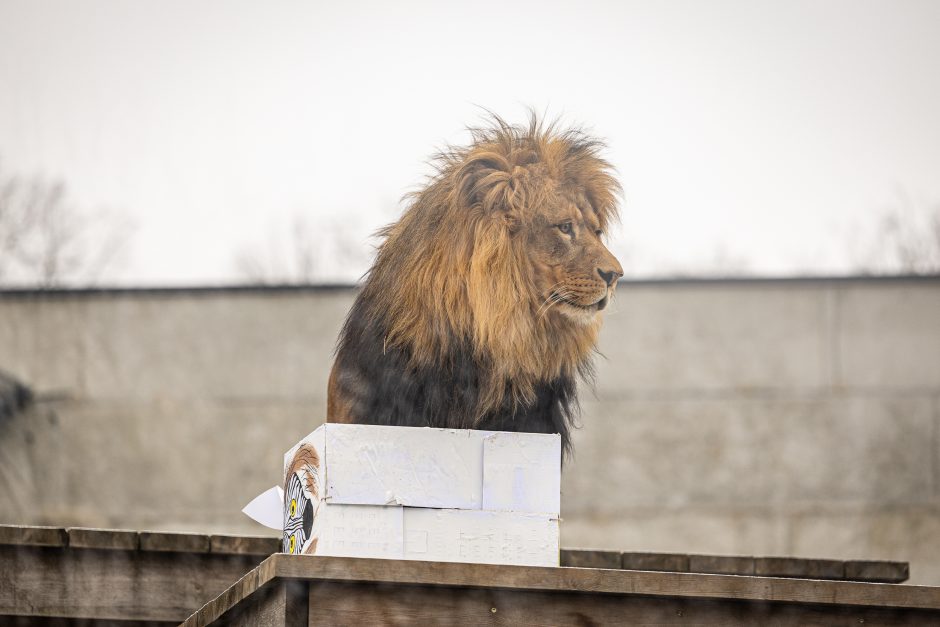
[573, 269]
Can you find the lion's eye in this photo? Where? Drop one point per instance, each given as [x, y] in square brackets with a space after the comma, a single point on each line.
[598, 232]
[565, 227]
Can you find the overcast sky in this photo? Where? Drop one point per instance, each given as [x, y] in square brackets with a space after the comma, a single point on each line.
[769, 133]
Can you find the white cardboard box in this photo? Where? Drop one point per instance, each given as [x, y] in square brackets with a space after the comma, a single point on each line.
[480, 536]
[439, 468]
[439, 535]
[423, 493]
[417, 467]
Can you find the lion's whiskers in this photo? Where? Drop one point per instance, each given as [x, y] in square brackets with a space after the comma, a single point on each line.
[554, 297]
[548, 300]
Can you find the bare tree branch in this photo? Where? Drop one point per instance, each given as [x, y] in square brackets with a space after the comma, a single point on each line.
[906, 240]
[304, 254]
[45, 241]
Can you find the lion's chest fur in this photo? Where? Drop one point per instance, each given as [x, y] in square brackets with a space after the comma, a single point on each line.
[381, 385]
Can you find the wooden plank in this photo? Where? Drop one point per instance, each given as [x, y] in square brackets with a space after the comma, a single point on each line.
[177, 542]
[33, 536]
[605, 581]
[40, 621]
[335, 603]
[234, 595]
[671, 562]
[886, 572]
[265, 608]
[43, 588]
[279, 603]
[721, 564]
[84, 538]
[858, 570]
[247, 545]
[111, 584]
[589, 558]
[805, 568]
[382, 591]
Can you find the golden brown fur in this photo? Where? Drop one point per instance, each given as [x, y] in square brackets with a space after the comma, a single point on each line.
[480, 267]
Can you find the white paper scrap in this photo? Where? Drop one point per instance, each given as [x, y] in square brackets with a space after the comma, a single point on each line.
[267, 508]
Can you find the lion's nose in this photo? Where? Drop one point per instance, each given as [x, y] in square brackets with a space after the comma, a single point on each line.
[610, 276]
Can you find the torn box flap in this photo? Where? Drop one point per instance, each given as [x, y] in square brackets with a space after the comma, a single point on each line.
[267, 508]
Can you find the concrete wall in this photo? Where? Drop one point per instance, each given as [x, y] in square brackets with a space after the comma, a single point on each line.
[757, 417]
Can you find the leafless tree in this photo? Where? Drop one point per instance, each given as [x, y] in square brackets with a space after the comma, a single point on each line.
[46, 241]
[305, 253]
[905, 240]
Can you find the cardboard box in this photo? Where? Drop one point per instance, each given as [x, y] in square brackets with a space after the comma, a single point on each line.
[481, 537]
[422, 493]
[417, 467]
[436, 535]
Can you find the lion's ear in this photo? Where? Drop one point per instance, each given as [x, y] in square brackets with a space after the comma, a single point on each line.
[487, 180]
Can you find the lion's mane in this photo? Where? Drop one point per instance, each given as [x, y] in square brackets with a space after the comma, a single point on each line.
[447, 330]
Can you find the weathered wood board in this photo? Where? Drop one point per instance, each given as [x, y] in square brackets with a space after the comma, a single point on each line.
[72, 576]
[349, 591]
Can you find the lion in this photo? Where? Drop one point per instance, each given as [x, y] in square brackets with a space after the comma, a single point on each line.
[485, 299]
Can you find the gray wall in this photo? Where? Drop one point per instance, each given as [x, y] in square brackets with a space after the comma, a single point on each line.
[748, 417]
